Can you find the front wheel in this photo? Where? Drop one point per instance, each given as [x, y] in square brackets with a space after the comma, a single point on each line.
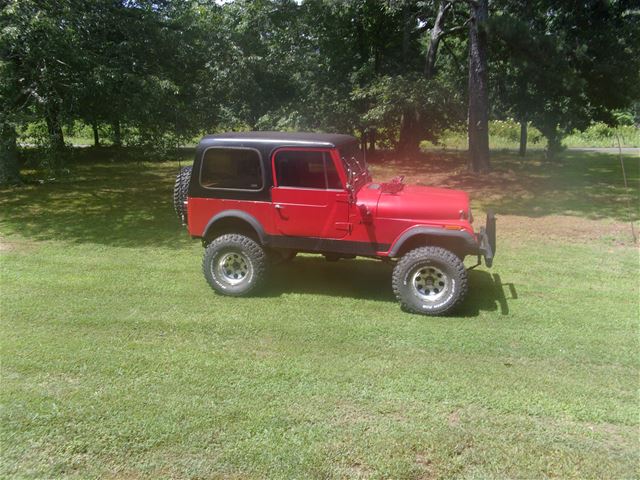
[234, 265]
[430, 281]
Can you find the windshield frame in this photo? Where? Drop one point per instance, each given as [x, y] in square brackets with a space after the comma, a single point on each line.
[354, 160]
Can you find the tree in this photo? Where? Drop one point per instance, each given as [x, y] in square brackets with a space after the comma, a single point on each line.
[9, 105]
[41, 49]
[12, 106]
[478, 87]
[561, 66]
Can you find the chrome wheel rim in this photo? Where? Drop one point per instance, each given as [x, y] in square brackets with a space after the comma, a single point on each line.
[234, 268]
[430, 283]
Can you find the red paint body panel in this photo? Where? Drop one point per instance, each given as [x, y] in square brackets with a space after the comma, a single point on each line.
[307, 212]
[373, 217]
[310, 213]
[201, 210]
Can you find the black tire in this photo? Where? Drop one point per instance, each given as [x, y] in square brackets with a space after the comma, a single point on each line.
[234, 265]
[430, 281]
[180, 189]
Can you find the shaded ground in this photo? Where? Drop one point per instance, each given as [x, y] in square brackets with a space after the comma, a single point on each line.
[579, 184]
[124, 203]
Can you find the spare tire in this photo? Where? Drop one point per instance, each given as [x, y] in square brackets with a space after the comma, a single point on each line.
[180, 190]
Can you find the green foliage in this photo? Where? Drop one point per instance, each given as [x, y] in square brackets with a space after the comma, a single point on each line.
[505, 134]
[602, 135]
[154, 74]
[563, 66]
[390, 97]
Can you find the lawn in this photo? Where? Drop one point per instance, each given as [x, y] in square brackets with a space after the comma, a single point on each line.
[118, 361]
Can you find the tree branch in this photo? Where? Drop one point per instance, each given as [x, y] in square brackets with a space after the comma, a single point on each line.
[456, 29]
[437, 33]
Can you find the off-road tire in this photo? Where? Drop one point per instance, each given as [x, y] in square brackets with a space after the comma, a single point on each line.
[234, 265]
[430, 281]
[180, 189]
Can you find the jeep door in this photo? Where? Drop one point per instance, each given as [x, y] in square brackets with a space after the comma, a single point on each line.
[309, 199]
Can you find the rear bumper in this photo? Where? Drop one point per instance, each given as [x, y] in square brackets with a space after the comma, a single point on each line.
[487, 239]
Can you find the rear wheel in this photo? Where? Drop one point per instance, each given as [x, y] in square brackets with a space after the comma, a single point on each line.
[234, 265]
[430, 281]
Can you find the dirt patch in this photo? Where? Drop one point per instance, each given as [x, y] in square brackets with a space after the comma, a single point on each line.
[6, 246]
[566, 228]
[427, 467]
[445, 170]
[536, 200]
[454, 418]
[358, 470]
[10, 246]
[22, 246]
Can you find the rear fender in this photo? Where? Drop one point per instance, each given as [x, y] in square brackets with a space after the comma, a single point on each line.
[230, 218]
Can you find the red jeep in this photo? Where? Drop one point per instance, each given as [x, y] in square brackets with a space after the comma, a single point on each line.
[256, 198]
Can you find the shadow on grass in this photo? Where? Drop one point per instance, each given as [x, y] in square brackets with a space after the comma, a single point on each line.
[121, 204]
[488, 293]
[371, 280]
[586, 184]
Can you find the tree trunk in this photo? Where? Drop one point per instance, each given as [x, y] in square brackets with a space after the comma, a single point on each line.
[411, 124]
[363, 140]
[408, 145]
[9, 166]
[117, 134]
[410, 133]
[96, 134]
[406, 35]
[523, 138]
[554, 141]
[437, 32]
[478, 88]
[54, 128]
[372, 141]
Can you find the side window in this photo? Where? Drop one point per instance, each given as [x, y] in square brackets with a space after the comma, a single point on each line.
[333, 180]
[236, 168]
[304, 169]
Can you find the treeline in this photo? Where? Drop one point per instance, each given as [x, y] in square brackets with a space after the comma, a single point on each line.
[393, 72]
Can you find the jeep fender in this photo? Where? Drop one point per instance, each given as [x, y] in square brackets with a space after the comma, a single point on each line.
[239, 215]
[465, 238]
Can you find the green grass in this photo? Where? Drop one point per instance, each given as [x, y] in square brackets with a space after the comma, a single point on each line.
[118, 361]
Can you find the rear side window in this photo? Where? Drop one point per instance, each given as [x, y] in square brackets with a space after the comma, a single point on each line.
[305, 169]
[234, 168]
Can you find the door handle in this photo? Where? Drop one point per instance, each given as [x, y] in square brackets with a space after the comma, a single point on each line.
[279, 208]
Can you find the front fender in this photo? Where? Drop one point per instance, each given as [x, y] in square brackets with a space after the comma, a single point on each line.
[465, 238]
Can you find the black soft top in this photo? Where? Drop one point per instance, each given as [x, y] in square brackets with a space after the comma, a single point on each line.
[309, 139]
[264, 143]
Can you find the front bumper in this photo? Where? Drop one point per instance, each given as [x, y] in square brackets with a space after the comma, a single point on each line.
[487, 239]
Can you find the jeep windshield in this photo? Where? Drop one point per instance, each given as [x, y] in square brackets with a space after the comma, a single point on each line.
[354, 164]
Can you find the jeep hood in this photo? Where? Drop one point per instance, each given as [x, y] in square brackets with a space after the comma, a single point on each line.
[423, 203]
